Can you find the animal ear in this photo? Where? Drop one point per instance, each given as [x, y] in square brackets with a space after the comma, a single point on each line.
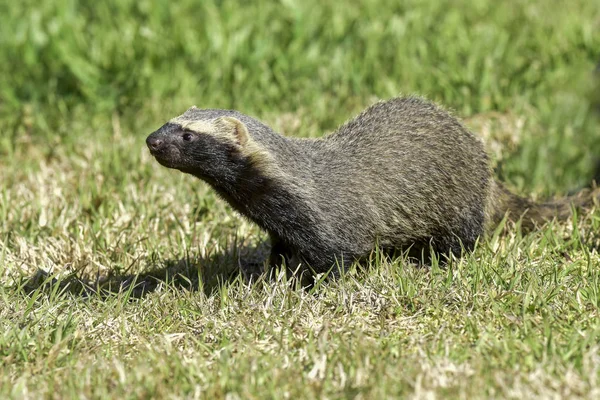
[236, 129]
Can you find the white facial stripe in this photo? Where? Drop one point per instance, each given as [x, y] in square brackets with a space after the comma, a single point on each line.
[194, 126]
[204, 127]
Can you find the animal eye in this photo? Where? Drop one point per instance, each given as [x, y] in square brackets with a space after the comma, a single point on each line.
[187, 137]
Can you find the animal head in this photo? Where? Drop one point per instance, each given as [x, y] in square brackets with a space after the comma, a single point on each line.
[206, 143]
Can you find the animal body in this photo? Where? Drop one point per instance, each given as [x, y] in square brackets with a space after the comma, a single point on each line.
[402, 174]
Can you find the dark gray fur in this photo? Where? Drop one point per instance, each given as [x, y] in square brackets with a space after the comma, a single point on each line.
[402, 173]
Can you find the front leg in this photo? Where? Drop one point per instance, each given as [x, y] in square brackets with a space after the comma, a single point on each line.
[282, 254]
[279, 253]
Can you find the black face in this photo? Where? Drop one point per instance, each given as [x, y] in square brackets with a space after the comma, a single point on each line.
[199, 154]
[169, 145]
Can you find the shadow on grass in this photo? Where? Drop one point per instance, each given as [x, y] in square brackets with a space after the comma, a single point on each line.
[203, 273]
[209, 274]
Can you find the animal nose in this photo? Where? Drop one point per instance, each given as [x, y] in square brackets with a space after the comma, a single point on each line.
[153, 143]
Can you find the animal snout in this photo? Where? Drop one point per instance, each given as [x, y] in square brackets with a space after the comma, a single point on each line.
[154, 143]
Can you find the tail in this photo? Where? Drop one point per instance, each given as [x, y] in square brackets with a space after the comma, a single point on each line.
[504, 202]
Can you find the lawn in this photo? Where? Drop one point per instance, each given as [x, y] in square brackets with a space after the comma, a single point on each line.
[120, 278]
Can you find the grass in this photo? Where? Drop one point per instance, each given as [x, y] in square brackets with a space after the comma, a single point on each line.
[119, 278]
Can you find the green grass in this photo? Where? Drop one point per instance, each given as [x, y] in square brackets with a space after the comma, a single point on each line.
[140, 294]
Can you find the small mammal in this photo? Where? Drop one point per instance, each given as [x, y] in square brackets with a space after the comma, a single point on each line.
[402, 173]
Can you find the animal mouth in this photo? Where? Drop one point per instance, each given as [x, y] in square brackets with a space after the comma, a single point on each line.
[166, 156]
[164, 161]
